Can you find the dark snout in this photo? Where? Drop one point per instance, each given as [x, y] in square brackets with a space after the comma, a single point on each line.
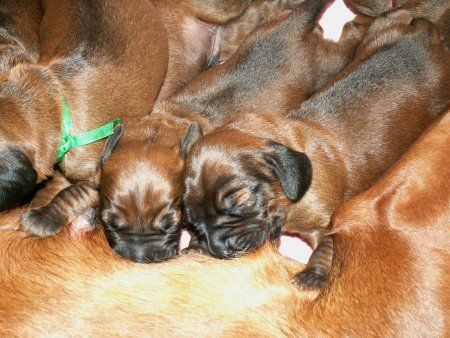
[222, 244]
[141, 249]
[17, 178]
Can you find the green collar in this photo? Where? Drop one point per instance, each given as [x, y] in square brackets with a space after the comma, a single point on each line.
[68, 142]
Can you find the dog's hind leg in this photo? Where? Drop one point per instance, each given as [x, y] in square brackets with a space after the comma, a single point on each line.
[48, 219]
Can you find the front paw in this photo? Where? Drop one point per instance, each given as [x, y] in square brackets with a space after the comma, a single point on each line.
[40, 222]
[310, 279]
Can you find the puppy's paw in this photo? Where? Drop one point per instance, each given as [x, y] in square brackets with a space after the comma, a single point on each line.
[310, 279]
[40, 222]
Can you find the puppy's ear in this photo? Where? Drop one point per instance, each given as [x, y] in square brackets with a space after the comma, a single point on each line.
[111, 143]
[17, 178]
[193, 133]
[294, 170]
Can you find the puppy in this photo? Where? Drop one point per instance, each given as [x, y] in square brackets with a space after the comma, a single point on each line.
[19, 33]
[437, 11]
[389, 275]
[102, 61]
[195, 29]
[142, 182]
[260, 175]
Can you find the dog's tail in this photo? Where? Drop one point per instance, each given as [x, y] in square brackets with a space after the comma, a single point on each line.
[309, 12]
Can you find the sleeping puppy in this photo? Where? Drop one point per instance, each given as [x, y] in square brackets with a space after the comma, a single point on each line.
[437, 11]
[389, 275]
[142, 182]
[102, 63]
[261, 175]
[194, 29]
[19, 26]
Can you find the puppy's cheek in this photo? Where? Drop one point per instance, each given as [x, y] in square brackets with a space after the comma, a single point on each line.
[84, 225]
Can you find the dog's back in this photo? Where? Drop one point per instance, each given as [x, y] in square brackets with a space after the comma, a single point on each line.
[387, 96]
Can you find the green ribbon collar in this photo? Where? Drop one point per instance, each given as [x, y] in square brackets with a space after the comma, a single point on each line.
[68, 141]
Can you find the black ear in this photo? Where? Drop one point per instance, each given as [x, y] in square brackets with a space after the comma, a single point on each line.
[294, 169]
[17, 178]
[111, 143]
[193, 133]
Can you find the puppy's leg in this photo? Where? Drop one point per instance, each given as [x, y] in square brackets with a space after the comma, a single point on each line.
[64, 207]
[318, 268]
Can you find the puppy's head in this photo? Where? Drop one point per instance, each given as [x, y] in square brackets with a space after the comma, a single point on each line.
[140, 194]
[236, 185]
[17, 177]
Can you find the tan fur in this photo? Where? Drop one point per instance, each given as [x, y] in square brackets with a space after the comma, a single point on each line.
[389, 274]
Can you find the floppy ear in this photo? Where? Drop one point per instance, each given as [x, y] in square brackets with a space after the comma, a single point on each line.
[111, 143]
[193, 133]
[294, 170]
[17, 178]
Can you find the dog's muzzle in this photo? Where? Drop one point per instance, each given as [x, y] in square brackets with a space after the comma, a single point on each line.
[144, 249]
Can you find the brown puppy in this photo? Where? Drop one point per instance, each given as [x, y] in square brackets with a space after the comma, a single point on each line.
[141, 183]
[104, 61]
[437, 11]
[194, 29]
[251, 179]
[389, 277]
[19, 22]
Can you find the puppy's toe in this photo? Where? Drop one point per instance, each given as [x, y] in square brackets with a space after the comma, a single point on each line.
[39, 222]
[310, 279]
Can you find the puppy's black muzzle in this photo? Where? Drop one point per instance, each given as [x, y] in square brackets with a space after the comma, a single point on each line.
[142, 248]
[226, 243]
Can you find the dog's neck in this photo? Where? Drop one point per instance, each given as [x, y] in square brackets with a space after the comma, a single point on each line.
[31, 117]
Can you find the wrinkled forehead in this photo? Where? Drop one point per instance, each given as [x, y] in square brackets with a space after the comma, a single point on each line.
[219, 166]
[148, 181]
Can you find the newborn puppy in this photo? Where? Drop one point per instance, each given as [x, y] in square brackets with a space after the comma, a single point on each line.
[437, 11]
[261, 175]
[19, 25]
[103, 63]
[194, 29]
[142, 181]
[257, 14]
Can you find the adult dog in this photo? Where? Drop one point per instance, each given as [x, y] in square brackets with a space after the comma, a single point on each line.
[389, 276]
[261, 175]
